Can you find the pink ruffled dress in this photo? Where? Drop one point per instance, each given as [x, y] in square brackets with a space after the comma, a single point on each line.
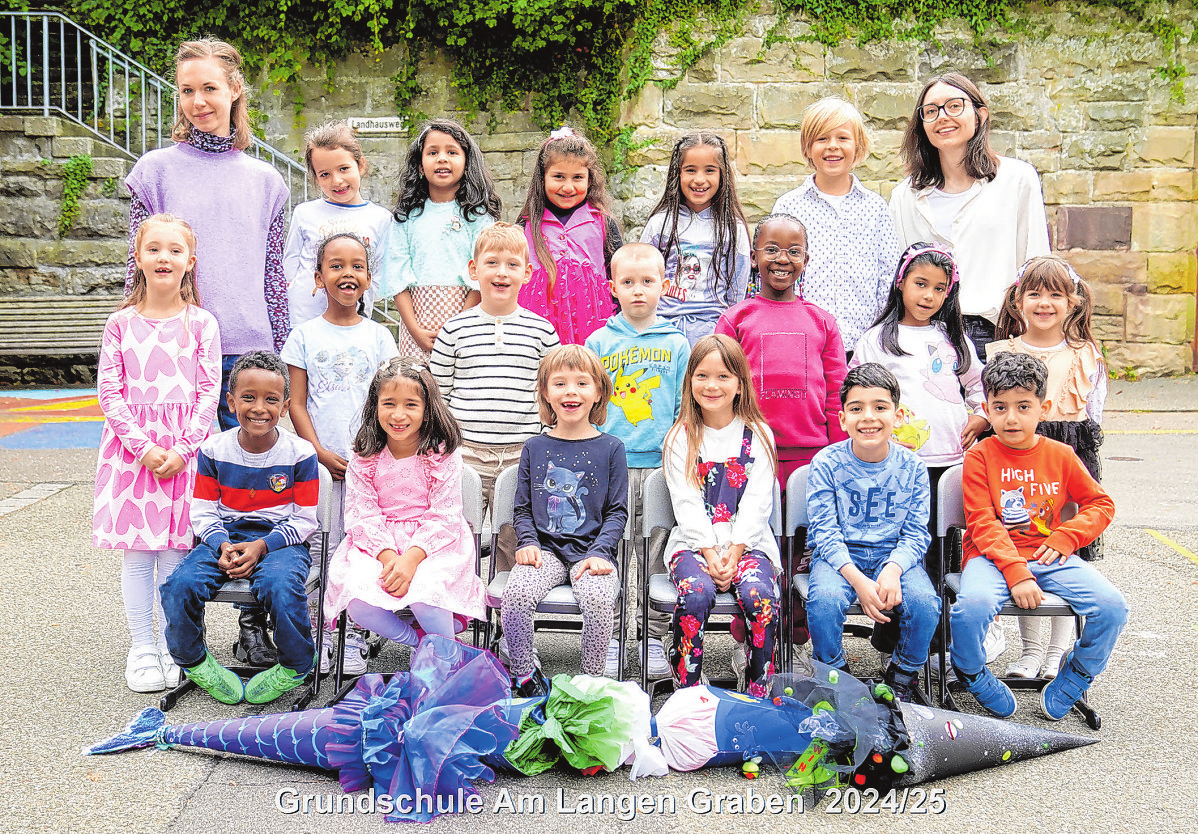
[158, 381]
[397, 504]
[580, 302]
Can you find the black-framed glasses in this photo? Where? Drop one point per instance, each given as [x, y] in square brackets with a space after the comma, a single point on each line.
[795, 253]
[953, 107]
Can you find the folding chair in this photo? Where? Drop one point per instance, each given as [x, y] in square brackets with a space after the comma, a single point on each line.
[796, 519]
[240, 591]
[658, 592]
[950, 514]
[560, 600]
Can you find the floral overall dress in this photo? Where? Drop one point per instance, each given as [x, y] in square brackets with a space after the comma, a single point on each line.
[754, 583]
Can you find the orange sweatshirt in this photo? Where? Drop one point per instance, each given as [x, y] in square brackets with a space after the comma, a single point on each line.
[1028, 487]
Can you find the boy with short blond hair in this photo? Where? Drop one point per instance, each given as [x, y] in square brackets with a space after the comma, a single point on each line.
[645, 356]
[1016, 544]
[868, 505]
[851, 241]
[485, 361]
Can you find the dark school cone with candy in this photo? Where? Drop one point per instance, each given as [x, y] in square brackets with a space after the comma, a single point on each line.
[426, 731]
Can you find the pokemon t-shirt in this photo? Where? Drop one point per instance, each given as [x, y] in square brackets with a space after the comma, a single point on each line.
[1013, 503]
[572, 496]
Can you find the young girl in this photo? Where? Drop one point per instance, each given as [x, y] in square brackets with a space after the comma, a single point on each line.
[1046, 313]
[571, 235]
[335, 163]
[919, 337]
[985, 208]
[700, 229]
[793, 347]
[570, 514]
[853, 249]
[407, 547]
[446, 197]
[719, 463]
[158, 379]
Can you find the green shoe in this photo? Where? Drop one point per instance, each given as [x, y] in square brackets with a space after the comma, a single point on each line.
[264, 687]
[217, 681]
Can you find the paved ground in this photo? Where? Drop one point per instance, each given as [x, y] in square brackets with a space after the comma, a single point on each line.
[61, 681]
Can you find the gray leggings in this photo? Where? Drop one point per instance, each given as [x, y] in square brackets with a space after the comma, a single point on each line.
[527, 586]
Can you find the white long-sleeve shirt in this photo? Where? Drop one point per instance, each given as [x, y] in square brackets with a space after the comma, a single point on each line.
[750, 524]
[997, 227]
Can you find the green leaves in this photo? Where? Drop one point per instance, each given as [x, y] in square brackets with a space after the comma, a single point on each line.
[75, 174]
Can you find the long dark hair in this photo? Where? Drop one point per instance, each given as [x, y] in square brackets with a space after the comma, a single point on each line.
[921, 158]
[476, 190]
[438, 433]
[565, 143]
[726, 212]
[948, 316]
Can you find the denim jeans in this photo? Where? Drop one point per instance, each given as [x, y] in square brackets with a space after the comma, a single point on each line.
[278, 582]
[984, 590]
[830, 595]
[225, 418]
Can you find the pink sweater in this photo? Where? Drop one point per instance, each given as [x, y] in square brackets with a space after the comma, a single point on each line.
[797, 361]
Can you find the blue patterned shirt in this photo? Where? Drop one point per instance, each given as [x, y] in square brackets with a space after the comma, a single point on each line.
[854, 252]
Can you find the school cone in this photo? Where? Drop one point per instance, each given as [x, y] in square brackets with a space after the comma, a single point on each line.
[426, 730]
[944, 743]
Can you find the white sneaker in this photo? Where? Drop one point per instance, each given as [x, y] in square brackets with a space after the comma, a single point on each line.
[171, 673]
[658, 667]
[357, 652]
[611, 666]
[740, 664]
[884, 660]
[1025, 667]
[327, 646]
[506, 656]
[1052, 664]
[995, 642]
[143, 670]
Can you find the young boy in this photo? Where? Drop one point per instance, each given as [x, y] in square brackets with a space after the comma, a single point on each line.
[645, 356]
[253, 511]
[485, 360]
[853, 245]
[1016, 484]
[868, 503]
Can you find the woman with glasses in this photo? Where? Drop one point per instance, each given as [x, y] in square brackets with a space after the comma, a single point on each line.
[988, 210]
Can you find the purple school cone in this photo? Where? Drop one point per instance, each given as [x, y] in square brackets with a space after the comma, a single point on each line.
[426, 730]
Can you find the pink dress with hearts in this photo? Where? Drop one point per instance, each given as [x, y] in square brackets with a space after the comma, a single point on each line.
[158, 380]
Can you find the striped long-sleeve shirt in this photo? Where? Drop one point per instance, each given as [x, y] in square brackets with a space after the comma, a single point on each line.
[241, 497]
[486, 367]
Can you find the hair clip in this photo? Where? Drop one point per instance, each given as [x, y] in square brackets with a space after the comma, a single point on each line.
[563, 132]
[915, 253]
[1069, 270]
[416, 367]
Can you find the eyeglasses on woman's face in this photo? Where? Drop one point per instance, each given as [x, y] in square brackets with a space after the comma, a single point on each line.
[953, 107]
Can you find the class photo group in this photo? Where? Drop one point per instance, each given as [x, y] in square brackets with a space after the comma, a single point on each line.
[867, 353]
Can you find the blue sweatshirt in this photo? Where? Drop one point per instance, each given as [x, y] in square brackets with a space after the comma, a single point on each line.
[854, 503]
[572, 496]
[647, 370]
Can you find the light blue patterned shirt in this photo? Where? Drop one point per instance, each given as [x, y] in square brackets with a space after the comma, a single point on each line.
[852, 502]
[854, 253]
[431, 249]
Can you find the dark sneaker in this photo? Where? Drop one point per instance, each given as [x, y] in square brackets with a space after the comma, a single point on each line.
[994, 695]
[534, 687]
[264, 687]
[902, 684]
[217, 681]
[1065, 690]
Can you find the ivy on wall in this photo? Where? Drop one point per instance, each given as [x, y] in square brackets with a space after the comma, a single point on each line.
[564, 58]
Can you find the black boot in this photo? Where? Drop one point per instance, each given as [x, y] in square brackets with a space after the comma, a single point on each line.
[254, 646]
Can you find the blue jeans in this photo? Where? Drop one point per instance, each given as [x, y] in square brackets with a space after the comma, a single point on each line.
[225, 418]
[984, 590]
[830, 595]
[278, 582]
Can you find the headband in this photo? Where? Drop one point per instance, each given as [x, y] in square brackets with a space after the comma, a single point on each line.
[1069, 270]
[915, 253]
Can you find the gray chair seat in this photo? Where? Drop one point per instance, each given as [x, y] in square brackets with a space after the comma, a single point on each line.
[559, 600]
[1053, 605]
[663, 596]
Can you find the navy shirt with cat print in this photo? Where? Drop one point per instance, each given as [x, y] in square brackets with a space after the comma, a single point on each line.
[572, 496]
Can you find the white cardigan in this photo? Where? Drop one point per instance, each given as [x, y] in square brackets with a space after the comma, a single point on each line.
[998, 227]
[750, 525]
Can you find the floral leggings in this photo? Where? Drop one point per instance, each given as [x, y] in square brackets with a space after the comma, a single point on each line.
[756, 589]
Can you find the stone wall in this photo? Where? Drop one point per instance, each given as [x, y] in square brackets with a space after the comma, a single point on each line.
[1114, 148]
[90, 260]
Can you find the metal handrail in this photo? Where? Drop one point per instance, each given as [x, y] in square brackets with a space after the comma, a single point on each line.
[54, 65]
